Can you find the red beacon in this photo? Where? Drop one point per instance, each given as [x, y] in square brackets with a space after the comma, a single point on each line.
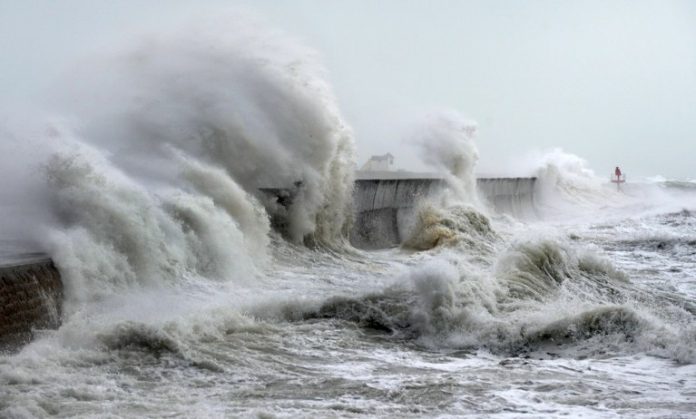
[618, 178]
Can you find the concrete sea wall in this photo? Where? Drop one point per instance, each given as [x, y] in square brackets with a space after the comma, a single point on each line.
[382, 206]
[31, 295]
[384, 202]
[510, 195]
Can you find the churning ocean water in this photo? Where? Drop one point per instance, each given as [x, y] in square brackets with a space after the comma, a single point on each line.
[182, 300]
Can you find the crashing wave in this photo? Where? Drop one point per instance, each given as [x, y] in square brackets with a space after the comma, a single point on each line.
[541, 298]
[457, 225]
[155, 169]
[445, 139]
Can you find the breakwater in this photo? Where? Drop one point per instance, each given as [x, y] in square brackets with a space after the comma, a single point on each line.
[509, 195]
[31, 295]
[384, 202]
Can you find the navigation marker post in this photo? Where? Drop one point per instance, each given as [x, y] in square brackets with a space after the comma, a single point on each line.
[618, 178]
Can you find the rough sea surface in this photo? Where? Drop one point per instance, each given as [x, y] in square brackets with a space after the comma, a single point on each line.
[574, 318]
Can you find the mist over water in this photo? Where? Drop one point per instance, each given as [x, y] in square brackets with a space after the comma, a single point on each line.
[445, 140]
[144, 182]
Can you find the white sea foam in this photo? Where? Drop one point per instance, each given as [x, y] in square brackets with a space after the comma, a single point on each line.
[157, 161]
[446, 142]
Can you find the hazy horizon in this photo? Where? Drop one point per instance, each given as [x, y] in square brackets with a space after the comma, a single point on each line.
[614, 83]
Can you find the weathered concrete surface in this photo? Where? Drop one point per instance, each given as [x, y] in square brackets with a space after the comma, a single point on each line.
[510, 195]
[383, 202]
[382, 205]
[31, 295]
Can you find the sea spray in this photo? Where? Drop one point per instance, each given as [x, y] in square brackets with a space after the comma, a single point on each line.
[227, 194]
[117, 234]
[567, 186]
[156, 159]
[445, 141]
[455, 225]
[233, 95]
[540, 295]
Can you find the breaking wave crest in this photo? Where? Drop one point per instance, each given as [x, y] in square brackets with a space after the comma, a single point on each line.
[119, 234]
[159, 159]
[567, 186]
[246, 100]
[542, 298]
[446, 142]
[565, 181]
[456, 225]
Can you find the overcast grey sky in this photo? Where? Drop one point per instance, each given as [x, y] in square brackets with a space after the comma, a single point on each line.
[611, 81]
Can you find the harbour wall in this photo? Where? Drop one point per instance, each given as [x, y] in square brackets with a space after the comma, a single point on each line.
[384, 203]
[31, 296]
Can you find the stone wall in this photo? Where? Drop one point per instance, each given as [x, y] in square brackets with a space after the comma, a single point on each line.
[31, 293]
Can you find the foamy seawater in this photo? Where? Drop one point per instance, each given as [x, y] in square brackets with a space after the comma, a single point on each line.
[592, 319]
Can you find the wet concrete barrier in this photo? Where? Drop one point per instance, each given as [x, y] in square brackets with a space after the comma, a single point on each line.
[384, 202]
[31, 296]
